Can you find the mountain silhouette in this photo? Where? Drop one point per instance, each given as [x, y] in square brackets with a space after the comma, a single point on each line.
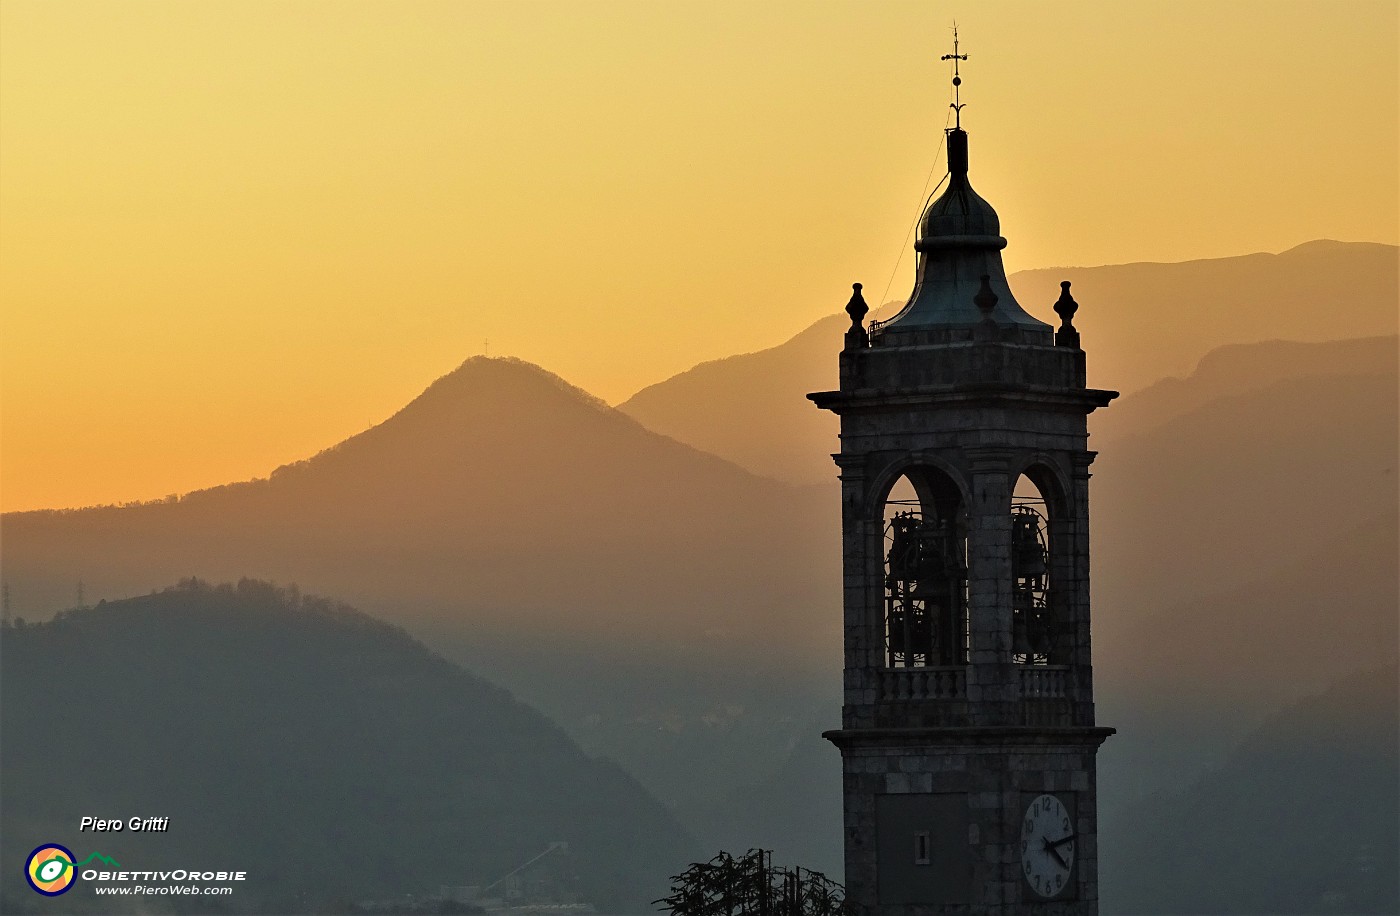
[1146, 321]
[767, 424]
[1300, 818]
[1141, 322]
[326, 753]
[1183, 683]
[1240, 369]
[501, 498]
[634, 588]
[1246, 482]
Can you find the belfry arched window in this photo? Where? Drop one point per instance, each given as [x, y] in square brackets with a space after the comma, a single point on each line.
[925, 582]
[1032, 613]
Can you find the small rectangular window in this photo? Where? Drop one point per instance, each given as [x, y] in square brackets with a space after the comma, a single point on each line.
[921, 848]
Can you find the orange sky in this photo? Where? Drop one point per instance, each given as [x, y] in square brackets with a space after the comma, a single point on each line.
[233, 233]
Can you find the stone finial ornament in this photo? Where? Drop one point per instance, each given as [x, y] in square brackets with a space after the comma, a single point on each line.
[1065, 307]
[985, 300]
[857, 309]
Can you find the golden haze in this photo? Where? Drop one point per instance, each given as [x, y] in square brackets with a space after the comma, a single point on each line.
[233, 234]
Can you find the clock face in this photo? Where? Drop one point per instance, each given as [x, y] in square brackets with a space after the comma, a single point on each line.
[1047, 845]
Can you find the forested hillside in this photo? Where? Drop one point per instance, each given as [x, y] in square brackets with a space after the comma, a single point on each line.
[326, 753]
[1301, 818]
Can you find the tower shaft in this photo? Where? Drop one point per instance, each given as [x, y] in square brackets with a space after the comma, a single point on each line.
[968, 735]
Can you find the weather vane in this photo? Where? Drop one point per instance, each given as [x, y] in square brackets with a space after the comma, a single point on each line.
[957, 78]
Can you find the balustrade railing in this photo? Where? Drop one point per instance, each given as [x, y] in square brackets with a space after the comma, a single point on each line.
[1044, 682]
[925, 683]
[949, 682]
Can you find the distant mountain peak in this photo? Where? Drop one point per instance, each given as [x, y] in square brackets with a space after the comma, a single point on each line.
[508, 370]
[1330, 245]
[488, 394]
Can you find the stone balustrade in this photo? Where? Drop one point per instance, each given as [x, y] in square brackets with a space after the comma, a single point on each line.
[926, 683]
[1044, 682]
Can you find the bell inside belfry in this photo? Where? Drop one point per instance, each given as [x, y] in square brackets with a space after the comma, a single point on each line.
[1030, 561]
[925, 591]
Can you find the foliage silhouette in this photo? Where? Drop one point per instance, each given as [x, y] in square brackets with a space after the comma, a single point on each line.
[751, 886]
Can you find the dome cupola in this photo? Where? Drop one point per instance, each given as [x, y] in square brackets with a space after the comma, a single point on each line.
[959, 243]
[961, 211]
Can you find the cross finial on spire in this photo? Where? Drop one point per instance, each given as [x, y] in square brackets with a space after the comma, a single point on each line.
[955, 57]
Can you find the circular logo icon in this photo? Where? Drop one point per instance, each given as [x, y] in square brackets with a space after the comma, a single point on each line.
[49, 869]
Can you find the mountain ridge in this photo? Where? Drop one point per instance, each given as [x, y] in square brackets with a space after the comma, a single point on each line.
[231, 697]
[1261, 806]
[1308, 247]
[496, 471]
[543, 380]
[1141, 323]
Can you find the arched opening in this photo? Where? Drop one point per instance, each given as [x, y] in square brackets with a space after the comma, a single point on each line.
[1032, 613]
[925, 551]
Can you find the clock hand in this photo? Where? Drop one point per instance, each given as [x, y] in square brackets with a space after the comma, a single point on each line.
[1068, 839]
[1056, 853]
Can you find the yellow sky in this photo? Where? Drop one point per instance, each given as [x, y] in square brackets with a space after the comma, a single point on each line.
[233, 233]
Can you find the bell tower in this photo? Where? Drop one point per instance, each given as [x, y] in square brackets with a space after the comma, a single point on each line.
[968, 739]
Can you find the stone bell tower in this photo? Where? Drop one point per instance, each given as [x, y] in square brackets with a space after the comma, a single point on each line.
[968, 738]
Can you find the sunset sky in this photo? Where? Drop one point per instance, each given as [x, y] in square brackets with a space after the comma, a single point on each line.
[234, 233]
